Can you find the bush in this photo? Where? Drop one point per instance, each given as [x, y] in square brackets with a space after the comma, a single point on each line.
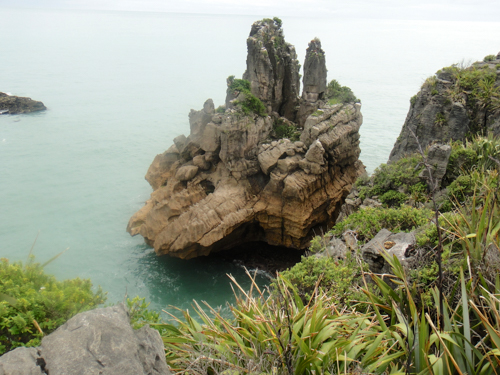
[32, 302]
[401, 176]
[339, 279]
[393, 198]
[339, 94]
[369, 221]
[489, 58]
[251, 104]
[282, 129]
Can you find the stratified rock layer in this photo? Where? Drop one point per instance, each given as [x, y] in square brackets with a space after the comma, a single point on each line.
[249, 189]
[10, 104]
[446, 109]
[230, 182]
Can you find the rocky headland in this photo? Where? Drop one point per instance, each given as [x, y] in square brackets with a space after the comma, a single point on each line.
[453, 103]
[267, 166]
[10, 104]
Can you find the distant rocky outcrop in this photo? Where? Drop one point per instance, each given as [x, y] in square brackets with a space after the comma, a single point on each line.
[100, 341]
[243, 176]
[451, 104]
[10, 104]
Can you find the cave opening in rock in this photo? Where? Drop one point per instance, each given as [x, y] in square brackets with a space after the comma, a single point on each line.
[260, 255]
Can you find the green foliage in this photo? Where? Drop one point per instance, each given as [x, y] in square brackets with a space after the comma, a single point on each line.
[413, 100]
[317, 113]
[32, 302]
[393, 198]
[286, 130]
[339, 279]
[401, 176]
[497, 66]
[339, 94]
[220, 109]
[277, 22]
[250, 104]
[279, 334]
[140, 315]
[369, 221]
[440, 119]
[489, 58]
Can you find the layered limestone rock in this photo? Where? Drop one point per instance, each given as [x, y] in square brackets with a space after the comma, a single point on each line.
[451, 104]
[234, 180]
[10, 104]
[273, 68]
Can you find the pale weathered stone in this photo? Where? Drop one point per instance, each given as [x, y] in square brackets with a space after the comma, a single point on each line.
[186, 173]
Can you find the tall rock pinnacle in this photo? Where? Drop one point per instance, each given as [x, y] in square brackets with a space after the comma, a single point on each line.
[273, 68]
[314, 72]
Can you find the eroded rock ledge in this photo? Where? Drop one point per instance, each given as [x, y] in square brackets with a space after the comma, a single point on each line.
[10, 104]
[233, 180]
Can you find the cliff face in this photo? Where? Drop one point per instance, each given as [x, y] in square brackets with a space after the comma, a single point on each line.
[235, 179]
[10, 104]
[454, 102]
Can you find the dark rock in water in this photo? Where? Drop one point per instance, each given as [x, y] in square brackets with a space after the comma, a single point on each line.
[273, 68]
[453, 103]
[15, 104]
[99, 341]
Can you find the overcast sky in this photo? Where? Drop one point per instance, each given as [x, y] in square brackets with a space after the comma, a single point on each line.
[473, 10]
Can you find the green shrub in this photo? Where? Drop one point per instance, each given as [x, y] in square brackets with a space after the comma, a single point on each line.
[283, 129]
[393, 198]
[440, 119]
[220, 109]
[413, 100]
[251, 104]
[400, 175]
[32, 302]
[489, 58]
[339, 94]
[369, 221]
[340, 279]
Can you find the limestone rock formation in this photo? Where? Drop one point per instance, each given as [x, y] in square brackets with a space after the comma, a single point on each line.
[10, 104]
[234, 180]
[273, 68]
[99, 341]
[451, 104]
[314, 81]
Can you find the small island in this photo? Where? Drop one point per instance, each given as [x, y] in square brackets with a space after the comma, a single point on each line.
[12, 105]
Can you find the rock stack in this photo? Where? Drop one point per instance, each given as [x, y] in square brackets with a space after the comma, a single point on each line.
[234, 179]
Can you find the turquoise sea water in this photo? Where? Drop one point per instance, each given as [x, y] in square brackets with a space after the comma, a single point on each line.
[119, 86]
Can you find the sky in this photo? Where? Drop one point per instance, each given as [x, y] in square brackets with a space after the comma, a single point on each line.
[472, 10]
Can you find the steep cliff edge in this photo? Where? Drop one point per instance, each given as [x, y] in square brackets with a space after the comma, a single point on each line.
[242, 175]
[454, 102]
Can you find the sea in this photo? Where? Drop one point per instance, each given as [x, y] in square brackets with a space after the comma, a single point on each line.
[119, 86]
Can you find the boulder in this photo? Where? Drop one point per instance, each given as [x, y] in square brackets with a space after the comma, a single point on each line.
[10, 104]
[399, 244]
[99, 341]
[437, 157]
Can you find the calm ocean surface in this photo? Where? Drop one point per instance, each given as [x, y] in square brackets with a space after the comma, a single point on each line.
[119, 86]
